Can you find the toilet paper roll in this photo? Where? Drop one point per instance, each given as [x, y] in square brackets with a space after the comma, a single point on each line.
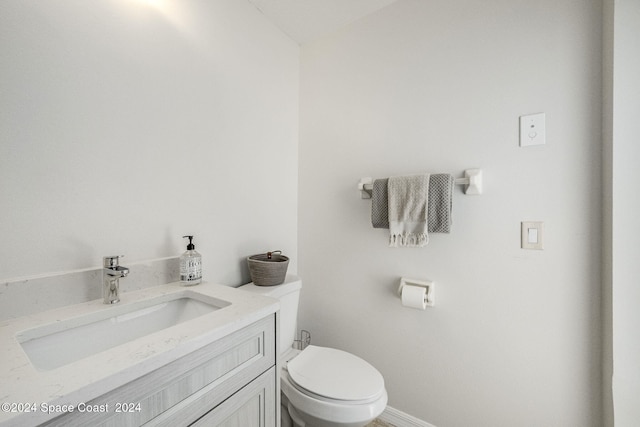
[414, 297]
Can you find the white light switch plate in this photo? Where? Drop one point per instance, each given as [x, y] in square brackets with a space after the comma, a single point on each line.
[532, 233]
[532, 130]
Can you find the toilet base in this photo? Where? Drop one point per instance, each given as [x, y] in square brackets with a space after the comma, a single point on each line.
[290, 417]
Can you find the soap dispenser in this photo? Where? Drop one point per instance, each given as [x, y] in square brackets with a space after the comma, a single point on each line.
[190, 265]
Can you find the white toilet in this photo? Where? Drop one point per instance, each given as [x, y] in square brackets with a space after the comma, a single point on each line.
[321, 387]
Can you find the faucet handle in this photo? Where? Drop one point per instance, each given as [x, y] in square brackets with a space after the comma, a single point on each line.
[111, 261]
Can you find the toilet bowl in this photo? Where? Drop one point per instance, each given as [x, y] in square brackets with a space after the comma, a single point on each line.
[321, 386]
[326, 387]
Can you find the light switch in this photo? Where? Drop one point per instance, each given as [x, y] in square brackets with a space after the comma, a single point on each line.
[531, 234]
[532, 130]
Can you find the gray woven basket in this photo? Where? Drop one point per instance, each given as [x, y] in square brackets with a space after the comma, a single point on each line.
[268, 269]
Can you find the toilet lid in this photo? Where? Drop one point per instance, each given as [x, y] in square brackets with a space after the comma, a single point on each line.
[335, 374]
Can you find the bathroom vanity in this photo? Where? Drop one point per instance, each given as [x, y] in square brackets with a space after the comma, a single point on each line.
[213, 363]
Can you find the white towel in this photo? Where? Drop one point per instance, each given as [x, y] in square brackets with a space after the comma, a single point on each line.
[408, 202]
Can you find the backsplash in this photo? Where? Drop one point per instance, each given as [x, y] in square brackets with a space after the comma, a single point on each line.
[30, 295]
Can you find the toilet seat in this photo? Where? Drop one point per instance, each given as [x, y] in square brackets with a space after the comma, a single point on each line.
[315, 410]
[335, 375]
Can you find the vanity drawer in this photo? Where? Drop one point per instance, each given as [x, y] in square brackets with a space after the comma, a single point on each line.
[252, 406]
[182, 391]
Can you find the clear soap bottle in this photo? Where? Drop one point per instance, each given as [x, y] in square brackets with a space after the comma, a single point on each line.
[190, 265]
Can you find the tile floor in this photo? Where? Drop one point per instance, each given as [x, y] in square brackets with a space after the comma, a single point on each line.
[378, 423]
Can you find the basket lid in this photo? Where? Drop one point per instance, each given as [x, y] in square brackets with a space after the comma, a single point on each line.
[272, 256]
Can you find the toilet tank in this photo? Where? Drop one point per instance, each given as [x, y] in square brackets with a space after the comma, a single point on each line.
[289, 294]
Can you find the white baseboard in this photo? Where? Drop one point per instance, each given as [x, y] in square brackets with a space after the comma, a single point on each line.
[400, 419]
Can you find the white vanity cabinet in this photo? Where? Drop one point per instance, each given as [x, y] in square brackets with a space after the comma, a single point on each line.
[230, 382]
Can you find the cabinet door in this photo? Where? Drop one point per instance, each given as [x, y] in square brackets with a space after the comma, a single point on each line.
[179, 393]
[252, 406]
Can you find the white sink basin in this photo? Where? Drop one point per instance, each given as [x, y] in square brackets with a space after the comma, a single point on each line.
[57, 344]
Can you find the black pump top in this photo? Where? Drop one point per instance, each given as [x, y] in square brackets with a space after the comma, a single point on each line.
[190, 246]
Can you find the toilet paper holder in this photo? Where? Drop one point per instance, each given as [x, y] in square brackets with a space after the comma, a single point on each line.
[424, 283]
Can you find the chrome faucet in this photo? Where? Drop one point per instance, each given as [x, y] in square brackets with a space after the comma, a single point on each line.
[111, 274]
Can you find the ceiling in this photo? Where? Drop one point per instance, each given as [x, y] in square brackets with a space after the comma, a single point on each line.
[305, 20]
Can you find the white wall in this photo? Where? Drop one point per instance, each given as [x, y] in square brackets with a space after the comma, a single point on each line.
[622, 128]
[514, 338]
[125, 124]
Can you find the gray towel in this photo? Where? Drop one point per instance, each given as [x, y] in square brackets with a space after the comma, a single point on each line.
[440, 202]
[441, 187]
[380, 204]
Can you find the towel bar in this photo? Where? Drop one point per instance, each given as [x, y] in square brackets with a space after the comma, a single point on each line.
[472, 181]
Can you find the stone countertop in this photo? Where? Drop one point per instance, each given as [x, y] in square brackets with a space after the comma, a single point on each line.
[30, 397]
